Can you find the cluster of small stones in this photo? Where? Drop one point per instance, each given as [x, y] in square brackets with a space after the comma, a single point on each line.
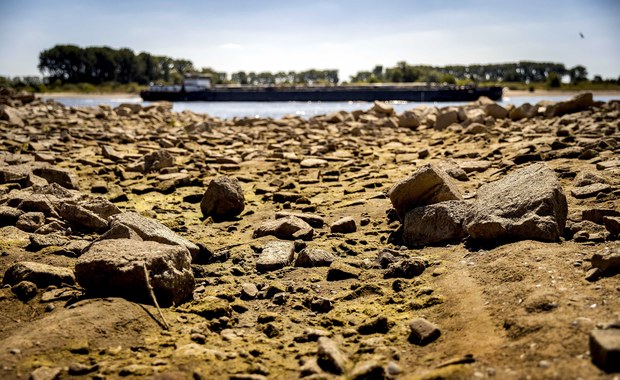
[280, 232]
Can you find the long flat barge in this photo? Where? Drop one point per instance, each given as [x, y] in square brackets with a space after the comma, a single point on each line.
[320, 93]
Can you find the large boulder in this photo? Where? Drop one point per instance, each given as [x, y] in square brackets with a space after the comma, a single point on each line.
[436, 223]
[427, 185]
[116, 268]
[527, 204]
[152, 230]
[223, 199]
[42, 275]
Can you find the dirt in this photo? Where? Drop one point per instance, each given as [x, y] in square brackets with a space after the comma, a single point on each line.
[519, 310]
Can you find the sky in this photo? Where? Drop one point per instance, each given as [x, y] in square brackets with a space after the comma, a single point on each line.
[348, 35]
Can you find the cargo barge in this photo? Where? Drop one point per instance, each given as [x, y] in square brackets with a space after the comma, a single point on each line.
[196, 88]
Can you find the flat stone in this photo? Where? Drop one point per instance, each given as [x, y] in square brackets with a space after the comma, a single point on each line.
[436, 223]
[590, 191]
[152, 230]
[330, 358]
[288, 228]
[313, 163]
[423, 332]
[42, 275]
[605, 349]
[526, 204]
[116, 268]
[427, 185]
[275, 255]
[312, 257]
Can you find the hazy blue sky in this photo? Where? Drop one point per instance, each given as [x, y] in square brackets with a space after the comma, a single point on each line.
[349, 35]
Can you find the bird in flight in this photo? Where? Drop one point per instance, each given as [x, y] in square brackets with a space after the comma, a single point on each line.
[581, 34]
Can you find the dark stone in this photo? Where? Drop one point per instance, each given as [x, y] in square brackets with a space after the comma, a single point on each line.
[423, 332]
[223, 199]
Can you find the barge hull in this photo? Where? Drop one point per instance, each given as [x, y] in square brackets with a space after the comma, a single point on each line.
[327, 94]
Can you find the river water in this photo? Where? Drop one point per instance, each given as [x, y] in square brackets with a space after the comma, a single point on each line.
[276, 110]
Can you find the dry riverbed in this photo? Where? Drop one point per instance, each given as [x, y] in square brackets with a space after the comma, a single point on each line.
[442, 243]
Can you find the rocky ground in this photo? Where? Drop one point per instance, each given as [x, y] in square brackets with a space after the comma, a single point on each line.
[441, 243]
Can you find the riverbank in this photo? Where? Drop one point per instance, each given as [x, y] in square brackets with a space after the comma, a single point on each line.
[274, 250]
[554, 93]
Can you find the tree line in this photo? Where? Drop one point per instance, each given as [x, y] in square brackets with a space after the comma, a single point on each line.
[73, 64]
[70, 64]
[523, 72]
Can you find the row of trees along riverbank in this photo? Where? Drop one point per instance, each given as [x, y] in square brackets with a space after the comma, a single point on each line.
[69, 67]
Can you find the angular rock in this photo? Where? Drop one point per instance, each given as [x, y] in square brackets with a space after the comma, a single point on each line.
[100, 206]
[406, 268]
[42, 275]
[330, 358]
[63, 177]
[155, 161]
[605, 349]
[116, 268]
[612, 224]
[9, 215]
[341, 271]
[12, 115]
[30, 221]
[423, 332]
[312, 257]
[526, 204]
[149, 229]
[344, 225]
[24, 290]
[495, 110]
[525, 110]
[427, 185]
[598, 215]
[436, 223]
[81, 217]
[585, 178]
[275, 255]
[289, 228]
[223, 199]
[446, 119]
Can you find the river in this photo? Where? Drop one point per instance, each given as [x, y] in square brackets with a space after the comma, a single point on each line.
[276, 110]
